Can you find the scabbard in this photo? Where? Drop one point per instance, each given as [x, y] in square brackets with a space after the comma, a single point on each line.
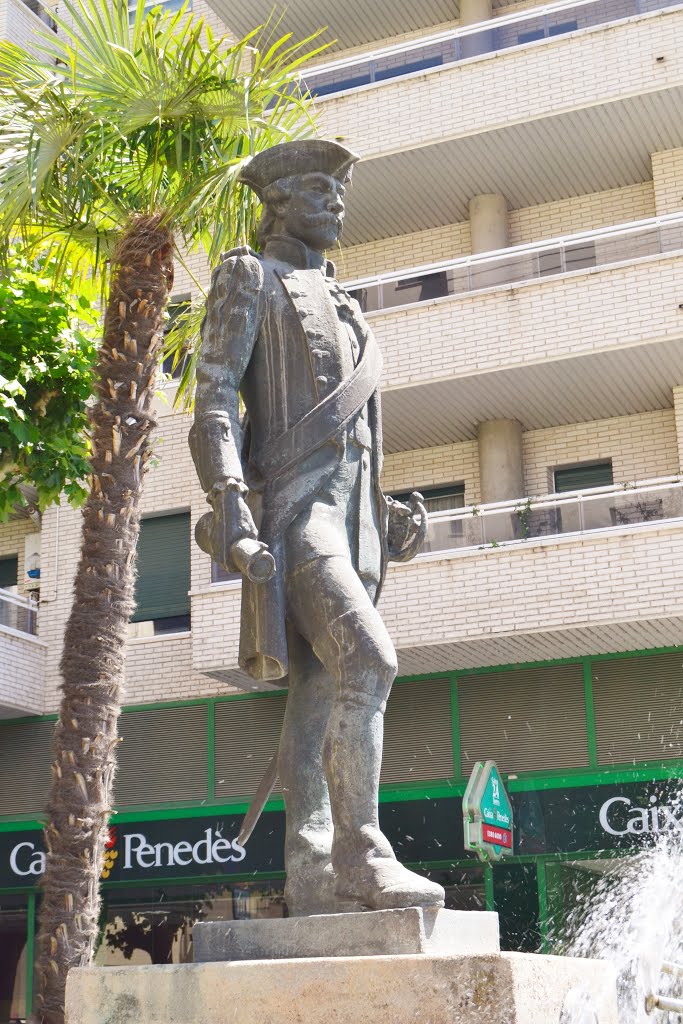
[259, 801]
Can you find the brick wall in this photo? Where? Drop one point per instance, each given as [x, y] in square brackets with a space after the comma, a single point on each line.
[22, 669]
[678, 418]
[434, 467]
[20, 25]
[510, 326]
[12, 537]
[582, 213]
[667, 172]
[640, 447]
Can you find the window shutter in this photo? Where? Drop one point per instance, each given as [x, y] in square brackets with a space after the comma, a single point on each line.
[247, 736]
[579, 478]
[418, 736]
[25, 758]
[525, 719]
[9, 569]
[638, 708]
[163, 580]
[163, 756]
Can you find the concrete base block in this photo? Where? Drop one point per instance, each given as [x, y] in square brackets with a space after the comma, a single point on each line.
[498, 988]
[375, 933]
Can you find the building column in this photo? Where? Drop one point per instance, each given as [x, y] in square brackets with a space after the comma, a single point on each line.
[472, 12]
[501, 465]
[488, 222]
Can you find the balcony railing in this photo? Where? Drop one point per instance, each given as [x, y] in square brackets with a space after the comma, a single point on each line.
[18, 613]
[520, 263]
[450, 47]
[573, 512]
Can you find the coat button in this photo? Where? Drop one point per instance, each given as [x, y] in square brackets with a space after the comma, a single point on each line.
[321, 380]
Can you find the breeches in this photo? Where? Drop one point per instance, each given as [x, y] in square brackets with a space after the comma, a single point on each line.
[331, 608]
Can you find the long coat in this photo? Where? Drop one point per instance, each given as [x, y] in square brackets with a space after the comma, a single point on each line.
[280, 331]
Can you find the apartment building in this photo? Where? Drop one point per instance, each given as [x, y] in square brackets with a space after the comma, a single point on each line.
[515, 236]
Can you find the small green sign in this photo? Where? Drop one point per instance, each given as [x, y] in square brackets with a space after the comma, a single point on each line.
[487, 813]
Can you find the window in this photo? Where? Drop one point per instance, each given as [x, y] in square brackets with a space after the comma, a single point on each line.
[439, 499]
[9, 573]
[583, 476]
[442, 535]
[163, 581]
[541, 33]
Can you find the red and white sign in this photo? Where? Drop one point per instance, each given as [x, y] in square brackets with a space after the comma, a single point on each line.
[499, 836]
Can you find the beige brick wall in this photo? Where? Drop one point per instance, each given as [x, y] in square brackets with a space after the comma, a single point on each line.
[640, 447]
[156, 669]
[22, 671]
[12, 538]
[434, 467]
[667, 172]
[20, 25]
[566, 72]
[484, 595]
[531, 224]
[582, 213]
[387, 254]
[512, 326]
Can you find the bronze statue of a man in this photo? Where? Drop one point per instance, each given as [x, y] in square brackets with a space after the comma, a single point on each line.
[301, 475]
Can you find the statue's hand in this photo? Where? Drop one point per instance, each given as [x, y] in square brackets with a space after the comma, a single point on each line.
[407, 527]
[230, 523]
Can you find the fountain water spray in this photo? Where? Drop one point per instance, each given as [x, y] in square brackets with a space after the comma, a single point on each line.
[634, 920]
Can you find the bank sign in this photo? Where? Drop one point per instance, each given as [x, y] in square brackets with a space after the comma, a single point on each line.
[589, 818]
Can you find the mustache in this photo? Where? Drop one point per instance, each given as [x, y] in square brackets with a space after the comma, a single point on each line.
[315, 219]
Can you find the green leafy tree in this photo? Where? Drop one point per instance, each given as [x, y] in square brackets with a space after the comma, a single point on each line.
[46, 358]
[130, 133]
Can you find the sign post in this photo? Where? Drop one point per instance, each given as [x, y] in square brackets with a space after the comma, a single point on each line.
[487, 813]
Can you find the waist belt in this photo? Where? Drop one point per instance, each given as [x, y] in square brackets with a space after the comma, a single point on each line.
[329, 417]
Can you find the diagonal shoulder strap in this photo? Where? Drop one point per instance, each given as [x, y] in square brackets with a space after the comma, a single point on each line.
[326, 419]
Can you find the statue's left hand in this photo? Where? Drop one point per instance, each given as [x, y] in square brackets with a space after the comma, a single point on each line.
[407, 527]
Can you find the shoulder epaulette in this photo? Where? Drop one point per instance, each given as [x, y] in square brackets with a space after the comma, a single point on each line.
[240, 250]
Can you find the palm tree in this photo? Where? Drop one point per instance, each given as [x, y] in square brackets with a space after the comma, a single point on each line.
[131, 131]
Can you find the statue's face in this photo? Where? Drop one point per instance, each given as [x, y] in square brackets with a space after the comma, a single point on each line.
[314, 213]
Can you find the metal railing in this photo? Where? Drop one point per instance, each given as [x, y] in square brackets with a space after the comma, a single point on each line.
[447, 48]
[520, 263]
[18, 613]
[573, 512]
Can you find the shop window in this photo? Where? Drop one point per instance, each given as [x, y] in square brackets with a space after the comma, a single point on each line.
[162, 603]
[515, 897]
[638, 706]
[583, 476]
[525, 719]
[13, 967]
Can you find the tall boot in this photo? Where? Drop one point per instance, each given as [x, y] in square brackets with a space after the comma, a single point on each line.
[364, 863]
[309, 888]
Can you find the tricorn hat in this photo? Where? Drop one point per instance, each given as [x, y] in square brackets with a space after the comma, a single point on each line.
[305, 156]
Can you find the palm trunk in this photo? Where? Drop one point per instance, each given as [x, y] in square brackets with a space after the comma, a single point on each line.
[92, 663]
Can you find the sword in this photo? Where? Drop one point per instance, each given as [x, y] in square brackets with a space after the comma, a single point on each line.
[259, 801]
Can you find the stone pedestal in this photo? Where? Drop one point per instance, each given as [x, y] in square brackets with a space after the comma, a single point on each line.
[495, 988]
[376, 933]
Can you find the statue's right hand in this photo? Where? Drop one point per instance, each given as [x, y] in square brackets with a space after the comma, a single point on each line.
[231, 521]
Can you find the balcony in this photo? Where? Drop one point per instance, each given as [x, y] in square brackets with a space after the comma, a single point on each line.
[446, 48]
[562, 576]
[577, 328]
[22, 658]
[521, 121]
